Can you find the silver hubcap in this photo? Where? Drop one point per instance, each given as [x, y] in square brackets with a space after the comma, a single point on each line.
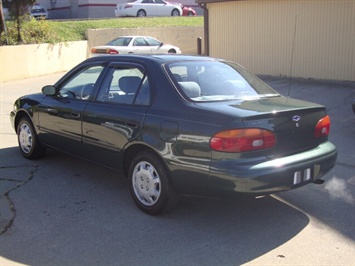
[25, 138]
[146, 183]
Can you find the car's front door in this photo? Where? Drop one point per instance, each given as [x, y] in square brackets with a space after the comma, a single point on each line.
[60, 115]
[160, 8]
[117, 115]
[154, 45]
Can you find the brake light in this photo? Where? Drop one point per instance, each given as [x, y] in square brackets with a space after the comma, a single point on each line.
[322, 127]
[242, 140]
[111, 51]
[127, 6]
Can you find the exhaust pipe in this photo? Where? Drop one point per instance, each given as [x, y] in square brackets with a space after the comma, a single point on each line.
[318, 181]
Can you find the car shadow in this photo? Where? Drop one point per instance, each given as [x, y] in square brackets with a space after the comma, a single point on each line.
[72, 212]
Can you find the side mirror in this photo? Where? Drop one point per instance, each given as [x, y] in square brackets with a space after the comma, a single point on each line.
[161, 44]
[49, 90]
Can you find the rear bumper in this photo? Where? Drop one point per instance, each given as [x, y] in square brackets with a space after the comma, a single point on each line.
[268, 176]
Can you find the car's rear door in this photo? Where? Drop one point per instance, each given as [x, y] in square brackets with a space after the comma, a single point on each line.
[141, 46]
[117, 114]
[60, 115]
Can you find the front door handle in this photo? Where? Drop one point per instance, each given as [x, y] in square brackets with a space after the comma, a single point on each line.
[132, 124]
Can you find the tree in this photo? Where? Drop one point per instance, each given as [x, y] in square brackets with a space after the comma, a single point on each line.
[2, 20]
[18, 10]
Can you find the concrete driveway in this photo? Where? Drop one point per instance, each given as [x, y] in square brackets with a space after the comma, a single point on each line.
[64, 211]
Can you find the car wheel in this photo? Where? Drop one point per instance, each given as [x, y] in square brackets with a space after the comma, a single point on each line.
[28, 140]
[190, 13]
[172, 51]
[141, 13]
[150, 185]
[175, 13]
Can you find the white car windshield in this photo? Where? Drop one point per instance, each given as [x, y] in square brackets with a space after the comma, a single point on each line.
[217, 81]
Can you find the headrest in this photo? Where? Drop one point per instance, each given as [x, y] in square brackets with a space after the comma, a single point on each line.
[129, 84]
[191, 88]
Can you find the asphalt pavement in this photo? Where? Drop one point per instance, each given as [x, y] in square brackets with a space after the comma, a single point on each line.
[64, 211]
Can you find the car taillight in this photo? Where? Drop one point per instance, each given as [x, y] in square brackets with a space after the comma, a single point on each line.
[322, 127]
[241, 140]
[103, 51]
[111, 51]
[127, 6]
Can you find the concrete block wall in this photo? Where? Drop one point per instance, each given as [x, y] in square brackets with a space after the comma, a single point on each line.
[25, 61]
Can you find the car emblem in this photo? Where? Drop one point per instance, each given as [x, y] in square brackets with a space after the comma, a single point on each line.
[296, 118]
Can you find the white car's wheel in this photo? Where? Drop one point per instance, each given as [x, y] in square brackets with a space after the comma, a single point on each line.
[175, 12]
[150, 184]
[141, 13]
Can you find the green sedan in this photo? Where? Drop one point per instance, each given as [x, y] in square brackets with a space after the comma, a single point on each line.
[177, 124]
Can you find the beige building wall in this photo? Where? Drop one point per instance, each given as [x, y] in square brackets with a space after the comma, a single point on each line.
[307, 38]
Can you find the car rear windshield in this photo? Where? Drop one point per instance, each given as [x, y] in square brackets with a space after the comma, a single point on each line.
[121, 41]
[38, 10]
[217, 81]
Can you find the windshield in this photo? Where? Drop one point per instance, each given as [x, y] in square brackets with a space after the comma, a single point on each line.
[217, 81]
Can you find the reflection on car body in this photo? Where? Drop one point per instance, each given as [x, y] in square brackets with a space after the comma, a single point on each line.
[177, 124]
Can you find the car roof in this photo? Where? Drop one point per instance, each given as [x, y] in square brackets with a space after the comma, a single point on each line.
[159, 58]
[134, 36]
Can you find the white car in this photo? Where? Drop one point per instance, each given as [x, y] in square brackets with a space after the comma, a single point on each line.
[38, 12]
[143, 8]
[135, 44]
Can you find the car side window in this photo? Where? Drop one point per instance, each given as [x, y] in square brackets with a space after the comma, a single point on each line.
[139, 42]
[152, 42]
[125, 85]
[81, 85]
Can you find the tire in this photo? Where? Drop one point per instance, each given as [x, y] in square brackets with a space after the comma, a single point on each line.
[141, 13]
[171, 51]
[175, 13]
[28, 140]
[150, 185]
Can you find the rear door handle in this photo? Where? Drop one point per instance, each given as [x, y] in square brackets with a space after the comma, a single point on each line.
[75, 115]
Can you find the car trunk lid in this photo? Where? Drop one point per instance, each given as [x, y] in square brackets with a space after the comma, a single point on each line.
[292, 121]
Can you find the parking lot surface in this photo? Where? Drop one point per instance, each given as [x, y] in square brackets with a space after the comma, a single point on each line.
[64, 211]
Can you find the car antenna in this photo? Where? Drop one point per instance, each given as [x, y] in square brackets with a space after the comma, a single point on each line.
[292, 51]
